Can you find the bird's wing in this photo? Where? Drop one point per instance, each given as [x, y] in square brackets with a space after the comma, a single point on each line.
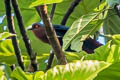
[60, 30]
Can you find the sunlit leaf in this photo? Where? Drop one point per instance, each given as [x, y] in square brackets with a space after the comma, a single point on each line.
[5, 35]
[7, 52]
[41, 2]
[21, 75]
[116, 39]
[2, 74]
[80, 70]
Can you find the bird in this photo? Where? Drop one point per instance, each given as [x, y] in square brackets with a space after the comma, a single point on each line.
[39, 31]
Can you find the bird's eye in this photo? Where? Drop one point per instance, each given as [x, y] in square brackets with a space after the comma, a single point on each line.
[36, 26]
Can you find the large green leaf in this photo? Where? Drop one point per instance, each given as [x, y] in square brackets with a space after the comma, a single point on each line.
[80, 27]
[81, 70]
[110, 73]
[41, 2]
[89, 30]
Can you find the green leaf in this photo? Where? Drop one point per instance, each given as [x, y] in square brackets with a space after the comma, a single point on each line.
[7, 70]
[90, 30]
[39, 75]
[7, 52]
[5, 35]
[80, 27]
[41, 2]
[116, 39]
[81, 70]
[21, 75]
[111, 24]
[2, 76]
[110, 73]
[73, 56]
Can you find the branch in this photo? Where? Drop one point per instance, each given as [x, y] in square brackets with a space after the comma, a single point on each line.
[52, 35]
[12, 30]
[24, 35]
[52, 11]
[12, 67]
[51, 52]
[50, 60]
[38, 10]
[69, 11]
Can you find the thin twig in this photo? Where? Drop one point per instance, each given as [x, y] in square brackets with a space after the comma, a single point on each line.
[50, 60]
[38, 10]
[52, 11]
[51, 34]
[69, 11]
[24, 35]
[12, 30]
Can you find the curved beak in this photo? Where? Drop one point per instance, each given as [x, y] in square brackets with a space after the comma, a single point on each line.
[29, 28]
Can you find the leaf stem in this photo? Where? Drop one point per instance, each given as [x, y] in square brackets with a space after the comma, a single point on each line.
[69, 11]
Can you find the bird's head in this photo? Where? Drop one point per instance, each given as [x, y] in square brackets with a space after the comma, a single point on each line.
[39, 31]
[35, 26]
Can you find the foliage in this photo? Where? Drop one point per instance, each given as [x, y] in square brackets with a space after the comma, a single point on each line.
[85, 70]
[91, 66]
[82, 9]
[84, 22]
[6, 49]
[81, 27]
